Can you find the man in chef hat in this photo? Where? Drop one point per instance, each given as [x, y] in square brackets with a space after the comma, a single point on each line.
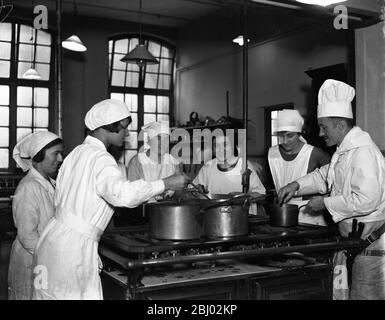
[89, 185]
[353, 184]
[293, 158]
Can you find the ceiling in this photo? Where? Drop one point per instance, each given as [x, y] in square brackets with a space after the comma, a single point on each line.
[178, 13]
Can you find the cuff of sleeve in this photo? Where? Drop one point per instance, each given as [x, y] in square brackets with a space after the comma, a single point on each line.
[158, 186]
[330, 202]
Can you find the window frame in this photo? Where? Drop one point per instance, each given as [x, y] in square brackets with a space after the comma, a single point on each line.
[13, 82]
[141, 91]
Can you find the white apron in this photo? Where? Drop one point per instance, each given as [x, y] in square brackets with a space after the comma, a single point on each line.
[284, 172]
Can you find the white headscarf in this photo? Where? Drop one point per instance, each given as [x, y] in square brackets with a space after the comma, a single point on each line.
[156, 128]
[29, 146]
[106, 112]
[334, 99]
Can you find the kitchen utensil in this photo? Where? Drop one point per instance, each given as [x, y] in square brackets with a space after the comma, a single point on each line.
[199, 190]
[175, 220]
[285, 215]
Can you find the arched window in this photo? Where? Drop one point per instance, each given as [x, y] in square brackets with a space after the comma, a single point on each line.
[24, 104]
[148, 90]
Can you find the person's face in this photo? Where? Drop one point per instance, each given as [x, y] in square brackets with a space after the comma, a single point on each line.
[159, 144]
[329, 131]
[223, 149]
[53, 159]
[288, 140]
[118, 138]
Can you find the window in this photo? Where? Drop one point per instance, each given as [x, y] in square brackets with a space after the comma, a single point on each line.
[148, 91]
[24, 104]
[271, 113]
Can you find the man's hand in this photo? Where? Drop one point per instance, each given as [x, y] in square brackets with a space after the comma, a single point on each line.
[315, 204]
[176, 182]
[287, 192]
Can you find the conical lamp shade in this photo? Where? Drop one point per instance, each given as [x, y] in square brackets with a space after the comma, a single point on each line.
[74, 43]
[140, 55]
[31, 74]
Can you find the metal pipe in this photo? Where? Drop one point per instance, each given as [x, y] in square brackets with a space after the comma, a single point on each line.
[58, 70]
[245, 180]
[338, 245]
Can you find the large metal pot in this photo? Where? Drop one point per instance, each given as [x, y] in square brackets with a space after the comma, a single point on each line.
[226, 218]
[174, 220]
[285, 215]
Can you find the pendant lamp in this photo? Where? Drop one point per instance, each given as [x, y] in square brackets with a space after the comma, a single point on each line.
[73, 42]
[140, 55]
[31, 73]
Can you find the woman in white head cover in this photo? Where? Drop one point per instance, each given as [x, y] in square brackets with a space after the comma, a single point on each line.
[293, 158]
[155, 162]
[89, 185]
[223, 175]
[40, 154]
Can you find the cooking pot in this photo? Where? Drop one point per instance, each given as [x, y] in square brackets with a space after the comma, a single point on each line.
[175, 220]
[285, 215]
[226, 217]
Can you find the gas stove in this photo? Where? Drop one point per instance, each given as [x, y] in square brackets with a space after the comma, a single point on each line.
[132, 248]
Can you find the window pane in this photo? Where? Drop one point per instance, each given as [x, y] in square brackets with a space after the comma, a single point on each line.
[43, 54]
[163, 104]
[43, 70]
[6, 31]
[110, 45]
[4, 156]
[4, 95]
[274, 140]
[23, 67]
[40, 117]
[24, 117]
[149, 117]
[164, 82]
[167, 53]
[163, 117]
[165, 66]
[134, 123]
[151, 80]
[121, 46]
[41, 97]
[22, 132]
[4, 116]
[118, 78]
[39, 129]
[274, 114]
[26, 33]
[152, 68]
[43, 37]
[273, 125]
[132, 79]
[132, 141]
[119, 64]
[24, 96]
[26, 52]
[154, 48]
[132, 101]
[5, 50]
[117, 96]
[133, 43]
[149, 103]
[4, 69]
[4, 137]
[128, 155]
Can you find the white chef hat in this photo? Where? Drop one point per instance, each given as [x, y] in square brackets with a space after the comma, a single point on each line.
[29, 146]
[334, 99]
[106, 112]
[289, 120]
[156, 128]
